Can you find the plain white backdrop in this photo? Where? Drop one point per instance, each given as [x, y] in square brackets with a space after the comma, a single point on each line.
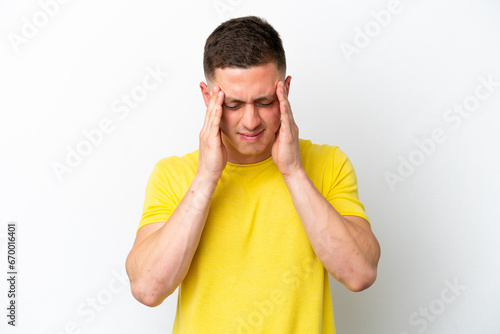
[94, 93]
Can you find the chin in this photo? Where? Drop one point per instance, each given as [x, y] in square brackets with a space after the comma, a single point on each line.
[242, 147]
[256, 149]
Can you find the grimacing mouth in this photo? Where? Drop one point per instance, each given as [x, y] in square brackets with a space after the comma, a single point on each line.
[252, 134]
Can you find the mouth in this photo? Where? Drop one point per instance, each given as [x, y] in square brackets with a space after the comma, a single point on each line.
[251, 136]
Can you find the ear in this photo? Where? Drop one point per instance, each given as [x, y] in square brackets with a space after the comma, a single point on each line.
[205, 92]
[287, 84]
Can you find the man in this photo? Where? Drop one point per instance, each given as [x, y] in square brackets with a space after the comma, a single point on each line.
[251, 224]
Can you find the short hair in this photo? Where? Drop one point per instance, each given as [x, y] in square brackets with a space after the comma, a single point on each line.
[243, 43]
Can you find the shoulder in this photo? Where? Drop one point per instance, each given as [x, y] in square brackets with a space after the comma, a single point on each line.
[320, 153]
[324, 163]
[188, 161]
[175, 169]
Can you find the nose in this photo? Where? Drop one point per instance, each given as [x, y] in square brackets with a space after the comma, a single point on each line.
[251, 118]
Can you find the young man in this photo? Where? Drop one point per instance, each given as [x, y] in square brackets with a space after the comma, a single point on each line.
[251, 224]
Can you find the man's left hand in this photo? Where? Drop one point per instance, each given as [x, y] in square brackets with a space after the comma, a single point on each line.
[286, 146]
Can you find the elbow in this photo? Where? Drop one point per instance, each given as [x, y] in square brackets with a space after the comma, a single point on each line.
[356, 278]
[147, 291]
[361, 281]
[145, 295]
[150, 293]
[366, 274]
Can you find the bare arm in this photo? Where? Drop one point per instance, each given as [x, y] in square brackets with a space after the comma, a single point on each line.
[346, 246]
[162, 253]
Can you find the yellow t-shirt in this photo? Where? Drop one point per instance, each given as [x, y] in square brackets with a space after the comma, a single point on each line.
[254, 270]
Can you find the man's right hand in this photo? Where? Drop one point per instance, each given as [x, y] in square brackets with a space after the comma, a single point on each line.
[212, 153]
[162, 252]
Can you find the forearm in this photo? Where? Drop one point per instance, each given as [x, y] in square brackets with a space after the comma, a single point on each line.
[160, 259]
[159, 263]
[348, 251]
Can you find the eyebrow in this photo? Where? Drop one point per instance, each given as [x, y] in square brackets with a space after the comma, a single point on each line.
[230, 99]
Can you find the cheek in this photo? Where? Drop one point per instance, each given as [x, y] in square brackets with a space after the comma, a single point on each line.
[273, 120]
[226, 122]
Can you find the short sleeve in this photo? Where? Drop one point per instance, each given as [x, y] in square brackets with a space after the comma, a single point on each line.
[161, 198]
[343, 190]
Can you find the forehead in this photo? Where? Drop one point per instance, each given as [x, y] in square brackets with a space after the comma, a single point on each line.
[248, 84]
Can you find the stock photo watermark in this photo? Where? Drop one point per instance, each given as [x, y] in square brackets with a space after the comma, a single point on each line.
[453, 117]
[223, 6]
[291, 279]
[87, 310]
[94, 137]
[11, 237]
[30, 27]
[363, 36]
[425, 315]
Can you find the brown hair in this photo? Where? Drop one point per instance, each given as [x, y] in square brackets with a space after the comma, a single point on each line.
[243, 43]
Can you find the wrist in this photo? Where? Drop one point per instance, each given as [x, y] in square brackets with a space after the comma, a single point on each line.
[199, 194]
[205, 182]
[296, 175]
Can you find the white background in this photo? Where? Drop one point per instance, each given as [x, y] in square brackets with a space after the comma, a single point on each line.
[437, 225]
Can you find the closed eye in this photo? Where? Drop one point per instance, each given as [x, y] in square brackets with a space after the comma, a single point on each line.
[265, 105]
[232, 107]
[237, 106]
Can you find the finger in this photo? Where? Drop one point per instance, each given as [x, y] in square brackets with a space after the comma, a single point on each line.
[213, 99]
[282, 105]
[281, 91]
[220, 98]
[213, 96]
[287, 121]
[215, 118]
[285, 107]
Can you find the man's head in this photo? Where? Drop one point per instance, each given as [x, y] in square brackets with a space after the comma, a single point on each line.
[245, 58]
[243, 43]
